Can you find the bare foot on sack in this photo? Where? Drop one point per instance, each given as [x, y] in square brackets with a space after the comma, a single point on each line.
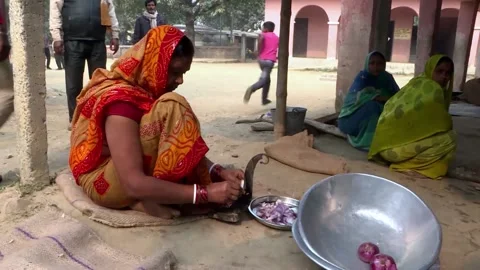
[156, 210]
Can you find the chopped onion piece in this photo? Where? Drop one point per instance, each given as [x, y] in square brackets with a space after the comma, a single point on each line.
[277, 212]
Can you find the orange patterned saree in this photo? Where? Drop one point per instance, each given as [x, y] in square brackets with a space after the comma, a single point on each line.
[173, 149]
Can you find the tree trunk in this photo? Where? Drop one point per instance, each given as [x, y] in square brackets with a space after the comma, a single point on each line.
[190, 25]
[282, 81]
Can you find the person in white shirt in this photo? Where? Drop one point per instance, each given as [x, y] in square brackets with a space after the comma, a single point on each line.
[78, 29]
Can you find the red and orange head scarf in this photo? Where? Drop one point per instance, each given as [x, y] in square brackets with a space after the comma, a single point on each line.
[139, 76]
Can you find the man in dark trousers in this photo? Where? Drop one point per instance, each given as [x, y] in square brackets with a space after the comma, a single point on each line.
[46, 50]
[6, 75]
[59, 60]
[83, 24]
[149, 19]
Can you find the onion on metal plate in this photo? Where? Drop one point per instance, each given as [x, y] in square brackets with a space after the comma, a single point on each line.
[276, 212]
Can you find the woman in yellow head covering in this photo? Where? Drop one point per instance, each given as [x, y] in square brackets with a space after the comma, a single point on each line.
[414, 132]
[137, 144]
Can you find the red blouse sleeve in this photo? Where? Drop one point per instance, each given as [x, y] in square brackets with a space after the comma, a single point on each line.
[125, 109]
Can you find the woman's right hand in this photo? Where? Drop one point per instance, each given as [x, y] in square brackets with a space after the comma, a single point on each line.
[224, 193]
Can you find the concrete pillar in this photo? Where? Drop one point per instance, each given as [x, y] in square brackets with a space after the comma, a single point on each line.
[381, 21]
[332, 40]
[463, 41]
[27, 28]
[243, 48]
[428, 20]
[355, 30]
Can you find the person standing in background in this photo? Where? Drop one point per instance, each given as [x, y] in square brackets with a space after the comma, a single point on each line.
[59, 60]
[46, 49]
[149, 19]
[267, 56]
[6, 75]
[83, 24]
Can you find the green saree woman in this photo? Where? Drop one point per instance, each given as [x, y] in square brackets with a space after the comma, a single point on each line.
[414, 132]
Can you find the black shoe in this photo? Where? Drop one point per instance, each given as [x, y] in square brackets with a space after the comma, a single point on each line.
[266, 102]
[248, 94]
[49, 68]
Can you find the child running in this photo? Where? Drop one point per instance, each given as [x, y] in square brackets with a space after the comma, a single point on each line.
[267, 56]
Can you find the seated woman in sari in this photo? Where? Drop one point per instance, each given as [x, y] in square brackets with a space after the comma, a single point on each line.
[136, 144]
[363, 104]
[414, 132]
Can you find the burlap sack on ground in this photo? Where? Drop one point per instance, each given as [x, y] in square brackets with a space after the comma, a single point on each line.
[297, 151]
[114, 218]
[471, 91]
[53, 240]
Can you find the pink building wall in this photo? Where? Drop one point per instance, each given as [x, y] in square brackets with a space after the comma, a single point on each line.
[317, 30]
[332, 8]
[403, 18]
[272, 13]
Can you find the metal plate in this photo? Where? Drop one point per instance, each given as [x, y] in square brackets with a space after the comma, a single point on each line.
[292, 203]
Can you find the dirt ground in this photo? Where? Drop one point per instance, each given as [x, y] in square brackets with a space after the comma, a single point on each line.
[215, 92]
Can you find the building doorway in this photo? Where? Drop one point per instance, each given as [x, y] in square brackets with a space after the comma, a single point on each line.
[300, 37]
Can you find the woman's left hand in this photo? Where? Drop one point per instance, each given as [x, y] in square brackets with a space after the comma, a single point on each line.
[235, 175]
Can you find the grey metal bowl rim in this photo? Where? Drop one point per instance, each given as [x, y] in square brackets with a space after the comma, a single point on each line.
[310, 190]
[299, 239]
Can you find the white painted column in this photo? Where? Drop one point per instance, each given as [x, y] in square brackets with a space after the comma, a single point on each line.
[463, 41]
[332, 40]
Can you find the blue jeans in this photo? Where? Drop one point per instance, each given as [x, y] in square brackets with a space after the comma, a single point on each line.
[264, 81]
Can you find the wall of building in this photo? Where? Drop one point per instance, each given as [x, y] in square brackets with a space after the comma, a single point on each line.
[402, 13]
[317, 30]
[402, 37]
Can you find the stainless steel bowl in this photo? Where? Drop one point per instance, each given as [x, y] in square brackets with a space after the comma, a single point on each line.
[292, 203]
[339, 213]
[306, 250]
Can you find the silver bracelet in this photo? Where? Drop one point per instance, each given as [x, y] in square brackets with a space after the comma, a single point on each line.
[194, 193]
[211, 168]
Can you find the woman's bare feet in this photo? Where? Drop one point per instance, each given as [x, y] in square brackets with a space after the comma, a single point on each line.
[195, 210]
[155, 210]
